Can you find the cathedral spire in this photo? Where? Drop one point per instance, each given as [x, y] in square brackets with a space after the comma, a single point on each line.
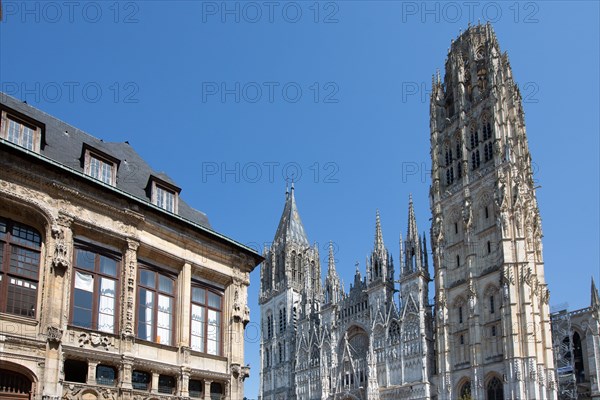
[413, 257]
[333, 285]
[378, 246]
[401, 253]
[412, 233]
[290, 225]
[331, 260]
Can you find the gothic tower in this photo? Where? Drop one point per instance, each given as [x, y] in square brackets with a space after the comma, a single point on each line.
[290, 289]
[415, 310]
[492, 331]
[380, 271]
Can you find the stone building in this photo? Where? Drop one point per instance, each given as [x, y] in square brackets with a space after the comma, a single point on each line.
[111, 286]
[493, 337]
[487, 334]
[320, 342]
[576, 337]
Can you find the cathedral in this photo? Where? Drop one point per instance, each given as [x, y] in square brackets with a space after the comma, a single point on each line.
[487, 333]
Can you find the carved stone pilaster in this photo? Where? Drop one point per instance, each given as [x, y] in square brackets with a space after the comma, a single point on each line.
[130, 279]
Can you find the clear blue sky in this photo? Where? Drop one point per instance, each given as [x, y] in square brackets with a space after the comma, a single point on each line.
[336, 90]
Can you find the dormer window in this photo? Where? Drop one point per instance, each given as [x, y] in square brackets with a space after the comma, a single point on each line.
[100, 166]
[164, 195]
[165, 199]
[21, 133]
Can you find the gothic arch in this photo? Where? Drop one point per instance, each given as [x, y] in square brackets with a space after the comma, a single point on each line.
[494, 388]
[463, 389]
[27, 212]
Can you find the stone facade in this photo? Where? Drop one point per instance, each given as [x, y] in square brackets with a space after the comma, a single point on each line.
[320, 342]
[493, 322]
[111, 288]
[487, 334]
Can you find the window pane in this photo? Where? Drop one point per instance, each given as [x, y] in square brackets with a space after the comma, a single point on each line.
[24, 262]
[106, 306]
[27, 139]
[82, 308]
[108, 266]
[1, 254]
[195, 388]
[214, 300]
[26, 236]
[84, 281]
[198, 327]
[13, 131]
[164, 319]
[169, 201]
[85, 259]
[213, 332]
[166, 384]
[165, 284]
[94, 167]
[22, 296]
[145, 314]
[198, 295]
[147, 278]
[106, 375]
[140, 380]
[106, 176]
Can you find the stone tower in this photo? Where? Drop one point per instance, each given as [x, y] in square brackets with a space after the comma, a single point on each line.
[415, 310]
[492, 330]
[290, 289]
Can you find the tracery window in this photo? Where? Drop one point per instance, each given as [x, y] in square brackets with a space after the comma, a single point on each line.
[495, 389]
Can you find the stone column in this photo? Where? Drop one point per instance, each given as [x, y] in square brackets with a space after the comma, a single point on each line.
[57, 270]
[184, 383]
[126, 372]
[185, 295]
[207, 384]
[91, 374]
[154, 388]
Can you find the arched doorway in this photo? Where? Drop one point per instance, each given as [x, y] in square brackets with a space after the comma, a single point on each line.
[494, 389]
[14, 386]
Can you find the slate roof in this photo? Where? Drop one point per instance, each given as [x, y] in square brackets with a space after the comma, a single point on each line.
[64, 143]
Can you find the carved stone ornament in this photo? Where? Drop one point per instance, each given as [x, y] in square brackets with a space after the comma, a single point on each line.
[240, 372]
[54, 334]
[545, 295]
[532, 369]
[60, 260]
[516, 370]
[507, 277]
[94, 340]
[527, 276]
[71, 392]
